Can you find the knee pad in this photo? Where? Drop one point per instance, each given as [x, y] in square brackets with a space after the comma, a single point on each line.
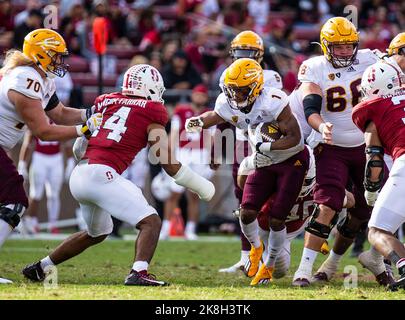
[345, 230]
[12, 216]
[319, 229]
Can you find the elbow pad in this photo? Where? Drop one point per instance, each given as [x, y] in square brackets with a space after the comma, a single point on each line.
[189, 179]
[312, 104]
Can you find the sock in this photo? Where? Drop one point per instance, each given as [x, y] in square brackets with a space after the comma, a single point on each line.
[140, 266]
[251, 232]
[376, 255]
[307, 260]
[401, 266]
[45, 262]
[244, 255]
[190, 227]
[53, 205]
[275, 245]
[5, 230]
[334, 258]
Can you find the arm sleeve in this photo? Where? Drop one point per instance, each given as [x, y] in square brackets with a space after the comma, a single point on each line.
[52, 103]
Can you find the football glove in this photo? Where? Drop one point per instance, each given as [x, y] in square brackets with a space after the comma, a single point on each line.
[194, 124]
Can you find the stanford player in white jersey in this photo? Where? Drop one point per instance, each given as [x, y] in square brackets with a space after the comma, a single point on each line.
[131, 120]
[381, 116]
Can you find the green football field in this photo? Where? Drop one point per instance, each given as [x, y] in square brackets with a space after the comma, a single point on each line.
[190, 267]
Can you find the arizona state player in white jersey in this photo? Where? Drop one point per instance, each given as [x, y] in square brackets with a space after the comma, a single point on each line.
[245, 104]
[247, 44]
[330, 89]
[27, 96]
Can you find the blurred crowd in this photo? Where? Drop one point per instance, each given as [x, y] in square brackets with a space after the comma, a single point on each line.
[188, 40]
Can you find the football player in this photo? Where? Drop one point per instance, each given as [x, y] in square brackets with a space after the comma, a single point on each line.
[131, 120]
[247, 44]
[381, 117]
[280, 165]
[27, 97]
[330, 88]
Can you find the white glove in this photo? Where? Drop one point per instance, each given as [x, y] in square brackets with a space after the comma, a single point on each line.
[194, 124]
[80, 147]
[189, 179]
[70, 165]
[254, 161]
[325, 128]
[22, 169]
[91, 125]
[87, 113]
[371, 197]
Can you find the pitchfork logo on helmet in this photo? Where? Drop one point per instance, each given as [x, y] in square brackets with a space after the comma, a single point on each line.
[382, 79]
[47, 49]
[243, 83]
[143, 80]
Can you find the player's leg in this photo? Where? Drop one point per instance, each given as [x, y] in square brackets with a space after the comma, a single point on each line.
[259, 186]
[193, 212]
[245, 244]
[387, 216]
[169, 206]
[329, 194]
[37, 177]
[13, 200]
[53, 188]
[290, 178]
[99, 226]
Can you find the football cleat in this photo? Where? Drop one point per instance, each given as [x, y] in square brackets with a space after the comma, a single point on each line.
[192, 236]
[377, 268]
[255, 257]
[238, 266]
[5, 281]
[400, 284]
[263, 276]
[325, 272]
[301, 282]
[34, 272]
[143, 278]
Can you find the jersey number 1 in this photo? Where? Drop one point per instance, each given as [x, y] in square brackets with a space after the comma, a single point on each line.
[116, 123]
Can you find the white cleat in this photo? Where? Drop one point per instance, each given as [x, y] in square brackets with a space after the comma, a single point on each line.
[325, 272]
[382, 272]
[163, 236]
[301, 278]
[5, 281]
[238, 266]
[190, 236]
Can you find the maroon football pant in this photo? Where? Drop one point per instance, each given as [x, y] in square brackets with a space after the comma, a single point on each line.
[283, 179]
[334, 166]
[11, 183]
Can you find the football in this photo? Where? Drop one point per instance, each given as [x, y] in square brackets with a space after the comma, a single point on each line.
[270, 131]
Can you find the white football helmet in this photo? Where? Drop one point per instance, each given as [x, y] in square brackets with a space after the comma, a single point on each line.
[380, 79]
[309, 181]
[161, 186]
[145, 81]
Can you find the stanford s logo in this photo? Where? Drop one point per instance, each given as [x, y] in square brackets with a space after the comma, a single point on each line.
[109, 175]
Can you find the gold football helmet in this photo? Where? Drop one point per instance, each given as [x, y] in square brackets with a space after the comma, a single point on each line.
[243, 83]
[335, 31]
[247, 44]
[397, 45]
[47, 49]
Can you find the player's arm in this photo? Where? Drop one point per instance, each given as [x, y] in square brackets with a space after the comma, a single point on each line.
[35, 118]
[374, 174]
[312, 102]
[204, 121]
[182, 175]
[63, 115]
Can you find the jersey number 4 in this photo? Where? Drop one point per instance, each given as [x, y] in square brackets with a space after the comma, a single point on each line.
[397, 100]
[336, 97]
[116, 123]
